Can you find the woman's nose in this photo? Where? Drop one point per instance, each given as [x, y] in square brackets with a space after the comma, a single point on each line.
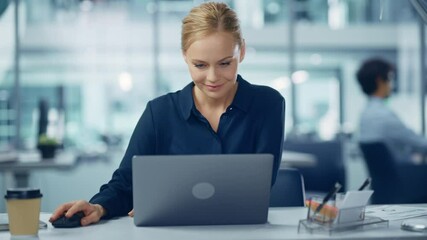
[212, 75]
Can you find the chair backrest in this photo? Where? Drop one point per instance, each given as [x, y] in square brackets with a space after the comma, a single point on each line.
[383, 171]
[329, 167]
[288, 191]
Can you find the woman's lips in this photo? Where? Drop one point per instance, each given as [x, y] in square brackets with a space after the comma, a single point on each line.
[213, 88]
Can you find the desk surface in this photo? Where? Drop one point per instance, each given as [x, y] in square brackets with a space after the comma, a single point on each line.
[283, 224]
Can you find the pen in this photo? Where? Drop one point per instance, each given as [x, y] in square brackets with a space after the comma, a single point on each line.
[309, 207]
[328, 196]
[365, 184]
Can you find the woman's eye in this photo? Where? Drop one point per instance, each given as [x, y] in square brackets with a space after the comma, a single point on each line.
[225, 63]
[199, 65]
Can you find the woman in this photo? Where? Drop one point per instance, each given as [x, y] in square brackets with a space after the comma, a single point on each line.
[218, 113]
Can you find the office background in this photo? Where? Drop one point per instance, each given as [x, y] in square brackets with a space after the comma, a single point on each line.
[97, 63]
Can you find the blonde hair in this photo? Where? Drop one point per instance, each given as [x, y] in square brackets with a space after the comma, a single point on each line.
[208, 18]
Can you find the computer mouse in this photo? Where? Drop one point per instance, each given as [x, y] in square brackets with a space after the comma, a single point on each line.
[415, 225]
[72, 222]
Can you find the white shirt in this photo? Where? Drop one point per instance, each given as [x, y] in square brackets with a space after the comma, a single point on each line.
[379, 124]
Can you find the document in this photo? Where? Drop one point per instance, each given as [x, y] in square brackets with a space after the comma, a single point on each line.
[395, 212]
[354, 199]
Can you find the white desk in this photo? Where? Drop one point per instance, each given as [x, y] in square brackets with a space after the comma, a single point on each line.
[297, 159]
[283, 223]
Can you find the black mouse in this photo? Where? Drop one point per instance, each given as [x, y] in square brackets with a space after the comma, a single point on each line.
[72, 222]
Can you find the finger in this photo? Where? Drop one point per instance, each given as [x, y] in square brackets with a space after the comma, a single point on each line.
[93, 217]
[131, 213]
[77, 207]
[60, 211]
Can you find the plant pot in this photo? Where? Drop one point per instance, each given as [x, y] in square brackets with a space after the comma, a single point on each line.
[47, 151]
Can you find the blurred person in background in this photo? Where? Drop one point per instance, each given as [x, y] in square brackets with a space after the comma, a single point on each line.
[378, 123]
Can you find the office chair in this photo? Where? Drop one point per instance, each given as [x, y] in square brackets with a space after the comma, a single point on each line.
[393, 182]
[288, 191]
[329, 168]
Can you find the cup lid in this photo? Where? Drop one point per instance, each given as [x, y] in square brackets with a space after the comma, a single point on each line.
[23, 193]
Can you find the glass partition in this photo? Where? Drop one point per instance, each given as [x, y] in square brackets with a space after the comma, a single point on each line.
[91, 62]
[7, 43]
[335, 37]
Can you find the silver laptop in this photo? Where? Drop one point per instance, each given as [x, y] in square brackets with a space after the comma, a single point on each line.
[201, 189]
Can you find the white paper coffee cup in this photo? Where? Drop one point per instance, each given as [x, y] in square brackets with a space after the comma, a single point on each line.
[23, 208]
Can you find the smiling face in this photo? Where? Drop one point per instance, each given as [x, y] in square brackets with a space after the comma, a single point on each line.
[213, 63]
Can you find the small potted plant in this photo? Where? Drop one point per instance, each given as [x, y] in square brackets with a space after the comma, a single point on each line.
[47, 146]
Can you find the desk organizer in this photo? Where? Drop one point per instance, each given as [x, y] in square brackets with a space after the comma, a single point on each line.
[332, 219]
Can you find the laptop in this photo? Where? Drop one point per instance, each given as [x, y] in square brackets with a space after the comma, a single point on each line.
[221, 189]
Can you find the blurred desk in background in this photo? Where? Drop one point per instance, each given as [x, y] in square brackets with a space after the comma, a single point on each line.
[8, 156]
[17, 172]
[297, 159]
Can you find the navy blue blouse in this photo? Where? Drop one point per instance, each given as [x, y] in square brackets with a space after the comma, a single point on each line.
[171, 124]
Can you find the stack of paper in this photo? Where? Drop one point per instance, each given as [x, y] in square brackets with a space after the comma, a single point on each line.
[395, 212]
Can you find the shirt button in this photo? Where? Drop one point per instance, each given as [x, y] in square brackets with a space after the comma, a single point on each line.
[231, 109]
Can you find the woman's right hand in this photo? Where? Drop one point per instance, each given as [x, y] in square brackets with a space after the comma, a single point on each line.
[93, 212]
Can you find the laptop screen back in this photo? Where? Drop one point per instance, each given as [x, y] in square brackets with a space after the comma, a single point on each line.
[201, 189]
